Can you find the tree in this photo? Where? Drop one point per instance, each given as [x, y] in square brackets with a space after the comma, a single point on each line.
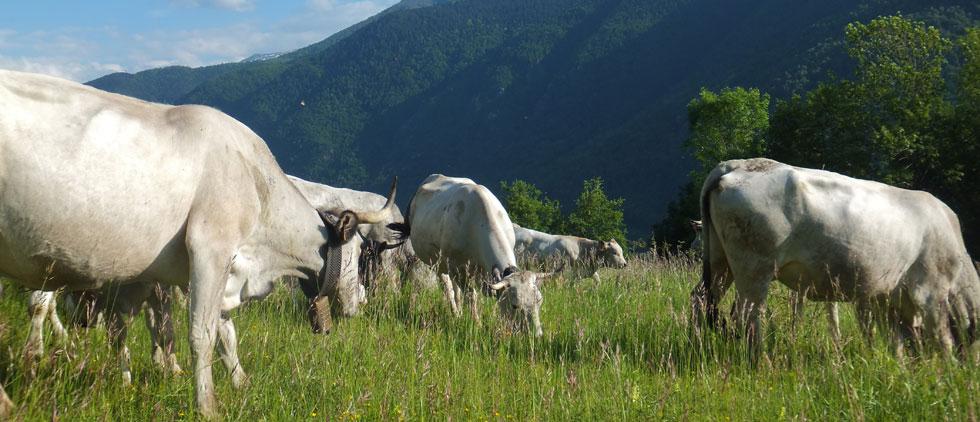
[825, 129]
[596, 216]
[724, 126]
[901, 86]
[530, 208]
[962, 149]
[730, 124]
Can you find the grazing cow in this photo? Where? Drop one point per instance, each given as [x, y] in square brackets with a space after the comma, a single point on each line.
[374, 239]
[896, 253]
[459, 225]
[559, 249]
[125, 191]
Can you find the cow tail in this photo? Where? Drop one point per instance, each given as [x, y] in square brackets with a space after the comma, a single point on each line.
[703, 301]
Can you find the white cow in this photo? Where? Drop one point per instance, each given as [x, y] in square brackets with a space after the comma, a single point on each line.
[377, 238]
[99, 188]
[569, 249]
[460, 226]
[894, 252]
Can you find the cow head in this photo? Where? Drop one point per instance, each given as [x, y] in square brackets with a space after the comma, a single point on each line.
[698, 228]
[520, 297]
[612, 254]
[340, 291]
[370, 261]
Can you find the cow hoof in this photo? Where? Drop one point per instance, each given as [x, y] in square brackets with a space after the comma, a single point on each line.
[206, 407]
[6, 407]
[238, 378]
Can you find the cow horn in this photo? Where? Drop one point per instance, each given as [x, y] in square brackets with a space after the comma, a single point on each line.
[499, 285]
[374, 217]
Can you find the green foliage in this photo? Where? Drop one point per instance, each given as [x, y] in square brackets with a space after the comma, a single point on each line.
[968, 86]
[596, 216]
[824, 129]
[727, 125]
[901, 87]
[962, 149]
[530, 208]
[881, 125]
[724, 126]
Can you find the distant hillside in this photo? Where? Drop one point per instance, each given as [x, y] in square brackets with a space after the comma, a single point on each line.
[172, 84]
[550, 91]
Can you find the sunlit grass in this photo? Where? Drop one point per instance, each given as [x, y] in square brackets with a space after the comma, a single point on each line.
[618, 349]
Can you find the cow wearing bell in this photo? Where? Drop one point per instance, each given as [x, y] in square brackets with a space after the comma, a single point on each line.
[102, 188]
[379, 250]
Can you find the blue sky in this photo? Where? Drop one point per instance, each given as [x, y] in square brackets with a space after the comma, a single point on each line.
[82, 40]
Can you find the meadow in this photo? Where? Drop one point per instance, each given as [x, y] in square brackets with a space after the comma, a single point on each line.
[616, 349]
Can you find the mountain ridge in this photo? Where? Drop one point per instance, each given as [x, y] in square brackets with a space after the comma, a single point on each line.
[552, 92]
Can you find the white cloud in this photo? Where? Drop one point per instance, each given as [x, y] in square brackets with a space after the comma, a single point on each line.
[60, 67]
[86, 53]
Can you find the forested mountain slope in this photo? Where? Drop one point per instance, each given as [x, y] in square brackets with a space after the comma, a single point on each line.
[550, 91]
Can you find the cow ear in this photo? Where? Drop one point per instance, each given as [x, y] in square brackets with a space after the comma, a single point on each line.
[344, 226]
[347, 226]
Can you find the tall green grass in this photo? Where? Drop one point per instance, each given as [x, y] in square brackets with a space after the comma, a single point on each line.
[612, 350]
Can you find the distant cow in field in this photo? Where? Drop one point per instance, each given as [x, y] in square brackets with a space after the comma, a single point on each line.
[458, 226]
[696, 227]
[898, 254]
[559, 249]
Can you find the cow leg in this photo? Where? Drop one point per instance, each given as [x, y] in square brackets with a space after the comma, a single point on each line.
[228, 350]
[936, 326]
[474, 304]
[209, 272]
[38, 307]
[797, 300]
[447, 285]
[750, 304]
[57, 328]
[459, 297]
[866, 320]
[116, 329]
[833, 319]
[964, 324]
[6, 406]
[159, 322]
[902, 333]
